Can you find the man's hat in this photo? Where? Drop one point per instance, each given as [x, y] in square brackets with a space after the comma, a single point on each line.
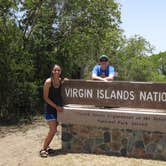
[103, 57]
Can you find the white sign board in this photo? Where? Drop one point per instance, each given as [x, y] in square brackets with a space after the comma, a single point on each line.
[122, 118]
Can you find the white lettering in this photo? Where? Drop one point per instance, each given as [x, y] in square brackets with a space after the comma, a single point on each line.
[149, 96]
[116, 94]
[132, 95]
[125, 95]
[152, 96]
[155, 95]
[81, 93]
[106, 95]
[97, 93]
[120, 94]
[68, 92]
[78, 93]
[75, 92]
[101, 94]
[142, 96]
[89, 93]
[113, 95]
[164, 96]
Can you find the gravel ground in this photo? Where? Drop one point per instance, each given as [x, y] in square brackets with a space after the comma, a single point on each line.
[20, 146]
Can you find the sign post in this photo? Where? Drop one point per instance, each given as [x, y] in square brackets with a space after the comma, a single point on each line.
[114, 118]
[115, 94]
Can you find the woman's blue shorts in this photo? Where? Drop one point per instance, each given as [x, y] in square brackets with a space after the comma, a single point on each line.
[49, 117]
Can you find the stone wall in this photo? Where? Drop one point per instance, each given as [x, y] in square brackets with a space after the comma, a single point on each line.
[120, 142]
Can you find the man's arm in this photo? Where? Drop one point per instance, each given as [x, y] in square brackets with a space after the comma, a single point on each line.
[95, 77]
[109, 78]
[111, 74]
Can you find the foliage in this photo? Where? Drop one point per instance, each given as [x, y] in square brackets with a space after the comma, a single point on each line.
[87, 29]
[16, 68]
[132, 59]
[34, 35]
[159, 63]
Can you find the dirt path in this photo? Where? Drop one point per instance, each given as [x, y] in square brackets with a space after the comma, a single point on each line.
[20, 146]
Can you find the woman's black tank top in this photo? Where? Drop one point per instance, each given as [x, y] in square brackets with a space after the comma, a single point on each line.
[55, 95]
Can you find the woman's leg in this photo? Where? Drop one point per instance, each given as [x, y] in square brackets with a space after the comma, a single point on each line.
[52, 130]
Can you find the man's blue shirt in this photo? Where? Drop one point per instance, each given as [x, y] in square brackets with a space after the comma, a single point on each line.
[103, 73]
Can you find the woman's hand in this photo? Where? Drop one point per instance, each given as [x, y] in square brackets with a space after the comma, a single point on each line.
[59, 109]
[65, 79]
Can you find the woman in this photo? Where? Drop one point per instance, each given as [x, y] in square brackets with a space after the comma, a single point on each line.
[53, 99]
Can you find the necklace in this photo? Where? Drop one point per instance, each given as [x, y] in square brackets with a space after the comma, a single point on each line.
[56, 83]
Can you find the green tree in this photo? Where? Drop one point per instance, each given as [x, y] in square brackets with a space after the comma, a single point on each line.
[159, 63]
[16, 67]
[132, 55]
[141, 69]
[36, 34]
[87, 29]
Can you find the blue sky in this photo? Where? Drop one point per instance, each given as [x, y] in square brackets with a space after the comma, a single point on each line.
[146, 18]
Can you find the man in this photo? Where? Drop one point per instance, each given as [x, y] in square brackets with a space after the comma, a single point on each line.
[103, 71]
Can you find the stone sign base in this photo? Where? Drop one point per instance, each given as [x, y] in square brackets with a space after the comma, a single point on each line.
[119, 142]
[127, 132]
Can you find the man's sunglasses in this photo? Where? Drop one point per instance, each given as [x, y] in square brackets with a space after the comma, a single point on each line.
[103, 60]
